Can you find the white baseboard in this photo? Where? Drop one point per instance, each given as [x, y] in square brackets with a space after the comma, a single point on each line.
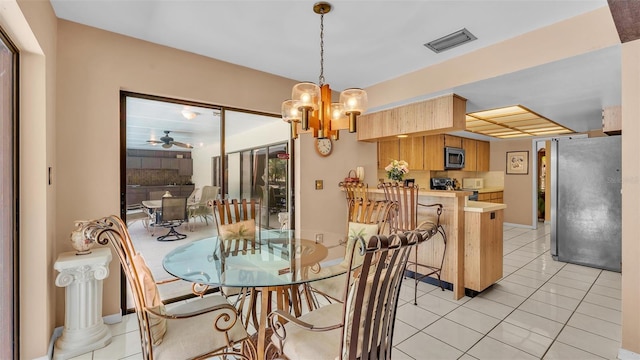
[518, 225]
[57, 332]
[627, 355]
[112, 319]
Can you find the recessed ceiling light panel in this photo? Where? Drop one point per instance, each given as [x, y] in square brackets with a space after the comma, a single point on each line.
[450, 41]
[512, 122]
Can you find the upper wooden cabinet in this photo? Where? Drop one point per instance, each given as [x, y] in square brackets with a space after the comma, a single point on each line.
[412, 151]
[470, 154]
[434, 150]
[427, 152]
[442, 114]
[387, 151]
[476, 154]
[452, 141]
[483, 155]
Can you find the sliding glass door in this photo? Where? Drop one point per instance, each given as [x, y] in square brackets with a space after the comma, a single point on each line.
[191, 149]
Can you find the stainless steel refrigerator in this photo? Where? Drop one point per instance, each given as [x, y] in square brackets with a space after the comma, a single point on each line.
[586, 201]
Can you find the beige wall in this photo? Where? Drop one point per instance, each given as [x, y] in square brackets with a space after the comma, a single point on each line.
[517, 188]
[93, 65]
[324, 211]
[32, 27]
[630, 196]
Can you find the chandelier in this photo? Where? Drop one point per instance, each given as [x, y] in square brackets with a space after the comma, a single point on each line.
[311, 107]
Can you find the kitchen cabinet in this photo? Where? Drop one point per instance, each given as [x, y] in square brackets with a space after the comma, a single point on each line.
[134, 162]
[483, 251]
[185, 167]
[493, 197]
[434, 152]
[427, 152]
[452, 141]
[441, 114]
[169, 163]
[470, 154]
[412, 151]
[477, 154]
[434, 149]
[151, 163]
[388, 151]
[483, 154]
[136, 194]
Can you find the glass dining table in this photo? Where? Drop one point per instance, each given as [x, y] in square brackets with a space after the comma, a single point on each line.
[276, 262]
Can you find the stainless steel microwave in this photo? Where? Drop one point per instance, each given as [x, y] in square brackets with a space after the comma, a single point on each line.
[453, 158]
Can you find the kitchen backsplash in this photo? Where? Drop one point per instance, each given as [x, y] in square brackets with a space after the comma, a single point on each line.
[423, 178]
[156, 177]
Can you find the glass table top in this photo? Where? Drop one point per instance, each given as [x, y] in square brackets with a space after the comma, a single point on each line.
[277, 259]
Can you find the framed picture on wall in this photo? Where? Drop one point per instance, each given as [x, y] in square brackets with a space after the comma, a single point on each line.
[517, 162]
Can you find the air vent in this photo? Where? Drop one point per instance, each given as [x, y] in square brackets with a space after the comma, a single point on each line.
[450, 41]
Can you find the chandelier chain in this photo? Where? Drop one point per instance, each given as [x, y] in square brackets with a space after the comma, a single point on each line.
[321, 77]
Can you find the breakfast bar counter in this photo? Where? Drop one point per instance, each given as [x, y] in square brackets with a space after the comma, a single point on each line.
[474, 238]
[452, 219]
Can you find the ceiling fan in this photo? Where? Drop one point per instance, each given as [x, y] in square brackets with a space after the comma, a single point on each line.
[167, 142]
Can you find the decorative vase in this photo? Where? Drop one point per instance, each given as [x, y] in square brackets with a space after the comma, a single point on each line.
[78, 240]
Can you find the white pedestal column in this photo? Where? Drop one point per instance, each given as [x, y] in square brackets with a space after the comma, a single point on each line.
[82, 277]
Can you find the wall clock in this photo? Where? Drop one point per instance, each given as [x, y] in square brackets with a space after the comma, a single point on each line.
[324, 147]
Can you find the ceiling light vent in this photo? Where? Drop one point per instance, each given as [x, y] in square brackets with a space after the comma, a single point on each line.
[450, 41]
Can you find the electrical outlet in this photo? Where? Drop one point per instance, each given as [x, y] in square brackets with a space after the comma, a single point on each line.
[319, 238]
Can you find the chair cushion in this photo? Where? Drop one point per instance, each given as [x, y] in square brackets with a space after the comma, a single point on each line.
[152, 299]
[190, 337]
[245, 229]
[356, 230]
[333, 286]
[304, 344]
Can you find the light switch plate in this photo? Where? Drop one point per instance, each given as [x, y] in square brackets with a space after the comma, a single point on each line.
[319, 184]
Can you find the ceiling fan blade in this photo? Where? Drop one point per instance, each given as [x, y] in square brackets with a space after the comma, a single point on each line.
[181, 144]
[154, 141]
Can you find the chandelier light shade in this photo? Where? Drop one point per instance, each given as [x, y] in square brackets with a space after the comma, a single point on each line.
[291, 114]
[311, 106]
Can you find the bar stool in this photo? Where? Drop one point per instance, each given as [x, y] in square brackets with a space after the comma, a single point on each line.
[405, 217]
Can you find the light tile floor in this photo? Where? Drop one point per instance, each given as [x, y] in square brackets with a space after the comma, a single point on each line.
[541, 309]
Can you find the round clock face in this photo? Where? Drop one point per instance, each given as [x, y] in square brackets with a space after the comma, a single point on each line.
[324, 146]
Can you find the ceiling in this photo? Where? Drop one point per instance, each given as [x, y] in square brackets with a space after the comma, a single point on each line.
[368, 42]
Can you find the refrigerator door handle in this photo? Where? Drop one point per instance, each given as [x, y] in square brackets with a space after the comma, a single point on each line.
[554, 199]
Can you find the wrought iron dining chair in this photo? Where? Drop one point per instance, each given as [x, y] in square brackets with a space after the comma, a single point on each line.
[238, 223]
[361, 327]
[196, 329]
[365, 219]
[405, 218]
[172, 214]
[354, 191]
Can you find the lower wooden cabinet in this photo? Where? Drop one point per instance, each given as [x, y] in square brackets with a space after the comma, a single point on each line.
[483, 252]
[493, 197]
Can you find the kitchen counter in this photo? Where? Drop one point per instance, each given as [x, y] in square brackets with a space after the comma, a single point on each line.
[482, 207]
[429, 192]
